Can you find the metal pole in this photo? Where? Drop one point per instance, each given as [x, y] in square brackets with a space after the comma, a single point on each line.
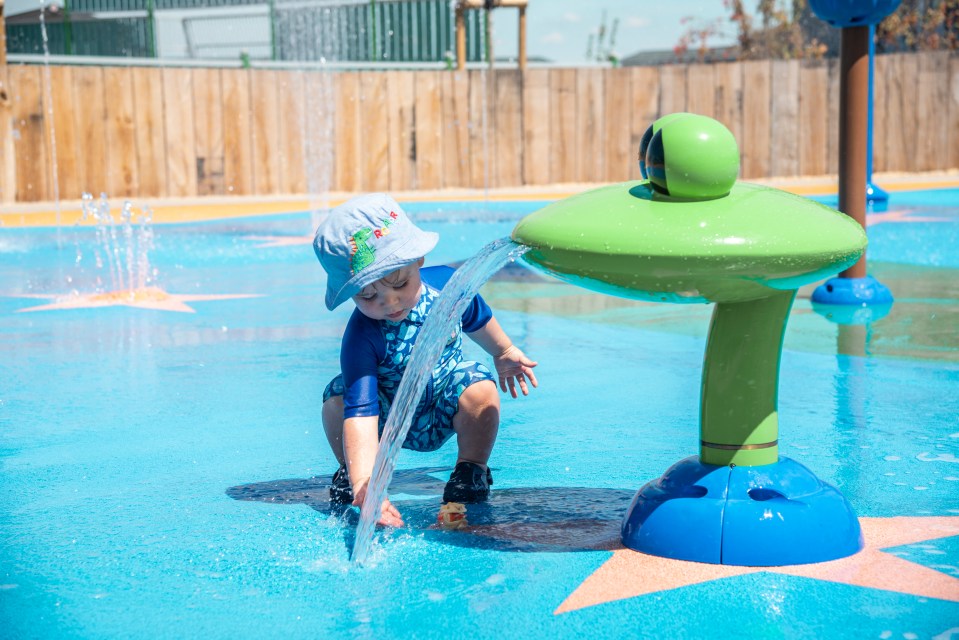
[273, 52]
[151, 31]
[522, 37]
[875, 196]
[67, 29]
[853, 106]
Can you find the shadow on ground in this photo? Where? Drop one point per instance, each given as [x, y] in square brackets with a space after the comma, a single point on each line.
[558, 519]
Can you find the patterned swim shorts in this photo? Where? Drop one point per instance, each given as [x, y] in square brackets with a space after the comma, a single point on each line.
[432, 422]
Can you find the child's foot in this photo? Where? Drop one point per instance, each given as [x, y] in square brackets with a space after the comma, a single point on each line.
[468, 483]
[341, 491]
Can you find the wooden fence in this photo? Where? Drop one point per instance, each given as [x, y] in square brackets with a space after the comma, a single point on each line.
[172, 132]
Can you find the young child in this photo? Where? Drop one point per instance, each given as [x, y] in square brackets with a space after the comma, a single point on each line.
[374, 255]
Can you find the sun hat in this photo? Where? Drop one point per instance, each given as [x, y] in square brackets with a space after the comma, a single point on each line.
[364, 239]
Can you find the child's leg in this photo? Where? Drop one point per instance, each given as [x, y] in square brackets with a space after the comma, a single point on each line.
[476, 422]
[333, 426]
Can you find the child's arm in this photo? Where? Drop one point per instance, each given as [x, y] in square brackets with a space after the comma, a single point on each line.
[360, 442]
[512, 365]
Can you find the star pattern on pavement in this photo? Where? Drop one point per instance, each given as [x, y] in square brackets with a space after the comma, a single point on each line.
[145, 298]
[629, 573]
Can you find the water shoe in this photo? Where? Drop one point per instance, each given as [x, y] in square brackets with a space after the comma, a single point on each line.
[341, 491]
[468, 483]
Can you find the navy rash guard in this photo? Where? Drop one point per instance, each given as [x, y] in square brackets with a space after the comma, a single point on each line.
[364, 346]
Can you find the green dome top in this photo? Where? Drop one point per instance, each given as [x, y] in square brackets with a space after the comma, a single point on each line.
[631, 240]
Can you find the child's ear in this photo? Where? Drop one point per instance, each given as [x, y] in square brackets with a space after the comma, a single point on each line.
[420, 262]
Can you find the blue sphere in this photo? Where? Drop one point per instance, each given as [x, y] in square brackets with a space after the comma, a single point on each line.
[853, 13]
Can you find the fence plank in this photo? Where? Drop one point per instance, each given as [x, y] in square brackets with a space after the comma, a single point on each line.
[318, 133]
[902, 129]
[832, 91]
[401, 125]
[953, 133]
[700, 90]
[65, 130]
[537, 133]
[8, 167]
[122, 174]
[237, 130]
[375, 146]
[151, 133]
[346, 133]
[617, 132]
[644, 89]
[672, 89]
[90, 114]
[813, 120]
[267, 159]
[181, 139]
[932, 151]
[481, 142]
[755, 144]
[590, 128]
[563, 118]
[508, 129]
[455, 92]
[29, 144]
[291, 129]
[784, 134]
[429, 147]
[208, 115]
[728, 95]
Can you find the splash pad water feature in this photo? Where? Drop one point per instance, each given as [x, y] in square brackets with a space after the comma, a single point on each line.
[688, 234]
[691, 234]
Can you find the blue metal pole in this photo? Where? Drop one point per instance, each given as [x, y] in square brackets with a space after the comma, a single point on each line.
[876, 198]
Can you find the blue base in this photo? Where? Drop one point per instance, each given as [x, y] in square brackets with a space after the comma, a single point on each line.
[770, 515]
[852, 291]
[876, 198]
[847, 314]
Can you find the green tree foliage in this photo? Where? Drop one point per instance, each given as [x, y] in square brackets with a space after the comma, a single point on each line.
[788, 29]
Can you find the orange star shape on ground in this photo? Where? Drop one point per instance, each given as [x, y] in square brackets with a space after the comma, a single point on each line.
[901, 215]
[145, 298]
[629, 573]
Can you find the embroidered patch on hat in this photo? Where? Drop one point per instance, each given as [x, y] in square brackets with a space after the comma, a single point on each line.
[362, 244]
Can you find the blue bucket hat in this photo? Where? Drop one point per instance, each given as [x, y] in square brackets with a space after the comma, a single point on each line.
[364, 239]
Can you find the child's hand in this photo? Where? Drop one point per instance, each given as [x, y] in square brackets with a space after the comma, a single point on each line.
[389, 516]
[513, 367]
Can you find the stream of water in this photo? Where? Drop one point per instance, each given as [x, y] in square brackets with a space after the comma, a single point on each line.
[446, 313]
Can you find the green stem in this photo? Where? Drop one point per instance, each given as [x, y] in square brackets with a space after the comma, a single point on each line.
[739, 422]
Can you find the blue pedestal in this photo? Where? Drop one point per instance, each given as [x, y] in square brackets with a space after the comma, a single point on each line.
[852, 291]
[769, 515]
[877, 199]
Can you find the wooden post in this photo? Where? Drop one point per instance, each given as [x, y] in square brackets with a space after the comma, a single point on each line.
[460, 37]
[8, 173]
[488, 5]
[853, 107]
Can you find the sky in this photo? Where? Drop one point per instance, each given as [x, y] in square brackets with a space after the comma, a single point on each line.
[559, 29]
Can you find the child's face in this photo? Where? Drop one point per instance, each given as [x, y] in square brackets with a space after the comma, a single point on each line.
[392, 296]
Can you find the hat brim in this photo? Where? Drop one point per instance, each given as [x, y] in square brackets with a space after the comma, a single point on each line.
[417, 247]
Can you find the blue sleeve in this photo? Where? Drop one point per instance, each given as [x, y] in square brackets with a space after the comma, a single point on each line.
[477, 314]
[360, 354]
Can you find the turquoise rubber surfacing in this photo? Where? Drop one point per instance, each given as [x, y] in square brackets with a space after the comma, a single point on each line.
[164, 473]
